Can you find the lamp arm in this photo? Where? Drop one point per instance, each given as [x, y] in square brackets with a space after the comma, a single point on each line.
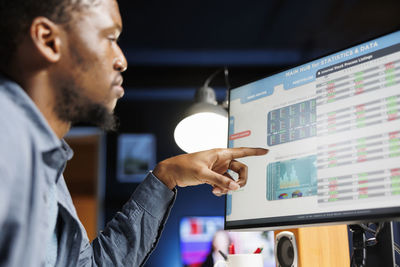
[226, 75]
[209, 79]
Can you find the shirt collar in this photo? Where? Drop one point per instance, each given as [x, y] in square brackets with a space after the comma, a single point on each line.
[55, 158]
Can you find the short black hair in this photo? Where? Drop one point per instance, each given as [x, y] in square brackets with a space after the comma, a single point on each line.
[16, 17]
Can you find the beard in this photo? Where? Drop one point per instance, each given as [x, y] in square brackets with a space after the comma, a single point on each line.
[74, 107]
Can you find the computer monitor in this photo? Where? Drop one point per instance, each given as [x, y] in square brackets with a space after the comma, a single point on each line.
[332, 127]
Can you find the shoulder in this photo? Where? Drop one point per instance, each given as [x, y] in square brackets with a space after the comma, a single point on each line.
[15, 139]
[14, 124]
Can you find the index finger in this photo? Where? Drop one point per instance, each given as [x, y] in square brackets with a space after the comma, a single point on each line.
[240, 152]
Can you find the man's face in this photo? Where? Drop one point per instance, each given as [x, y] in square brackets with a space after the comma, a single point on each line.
[88, 77]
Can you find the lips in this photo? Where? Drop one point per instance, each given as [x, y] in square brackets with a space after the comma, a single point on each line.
[118, 80]
[117, 84]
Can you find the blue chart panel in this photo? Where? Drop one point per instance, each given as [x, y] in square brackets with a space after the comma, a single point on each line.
[228, 204]
[231, 130]
[292, 123]
[292, 178]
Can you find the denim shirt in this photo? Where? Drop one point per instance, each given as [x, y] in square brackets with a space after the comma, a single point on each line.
[32, 159]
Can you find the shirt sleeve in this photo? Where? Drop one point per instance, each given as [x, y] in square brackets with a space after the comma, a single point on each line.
[131, 236]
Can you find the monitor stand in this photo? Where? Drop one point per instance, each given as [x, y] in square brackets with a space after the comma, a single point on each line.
[369, 250]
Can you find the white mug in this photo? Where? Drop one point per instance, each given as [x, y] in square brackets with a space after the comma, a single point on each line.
[241, 260]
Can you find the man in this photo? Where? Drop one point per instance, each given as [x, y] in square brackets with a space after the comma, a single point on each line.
[61, 64]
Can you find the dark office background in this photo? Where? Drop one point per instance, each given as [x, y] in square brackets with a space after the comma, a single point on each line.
[173, 46]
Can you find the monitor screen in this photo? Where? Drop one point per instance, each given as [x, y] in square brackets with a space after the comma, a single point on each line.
[332, 127]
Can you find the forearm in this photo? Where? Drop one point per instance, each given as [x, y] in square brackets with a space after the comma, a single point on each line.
[132, 234]
[165, 173]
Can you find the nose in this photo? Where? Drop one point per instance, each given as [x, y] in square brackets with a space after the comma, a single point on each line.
[120, 63]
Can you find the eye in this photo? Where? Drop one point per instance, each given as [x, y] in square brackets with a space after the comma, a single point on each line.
[113, 39]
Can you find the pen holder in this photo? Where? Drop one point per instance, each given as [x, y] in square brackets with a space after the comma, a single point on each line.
[241, 260]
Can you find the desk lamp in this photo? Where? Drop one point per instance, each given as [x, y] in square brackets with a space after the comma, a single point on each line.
[205, 124]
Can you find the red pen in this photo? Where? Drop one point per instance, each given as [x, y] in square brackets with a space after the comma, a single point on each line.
[258, 250]
[231, 249]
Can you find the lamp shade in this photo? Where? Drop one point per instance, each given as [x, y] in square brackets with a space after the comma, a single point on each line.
[205, 126]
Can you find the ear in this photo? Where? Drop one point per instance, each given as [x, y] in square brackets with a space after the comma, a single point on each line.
[46, 38]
